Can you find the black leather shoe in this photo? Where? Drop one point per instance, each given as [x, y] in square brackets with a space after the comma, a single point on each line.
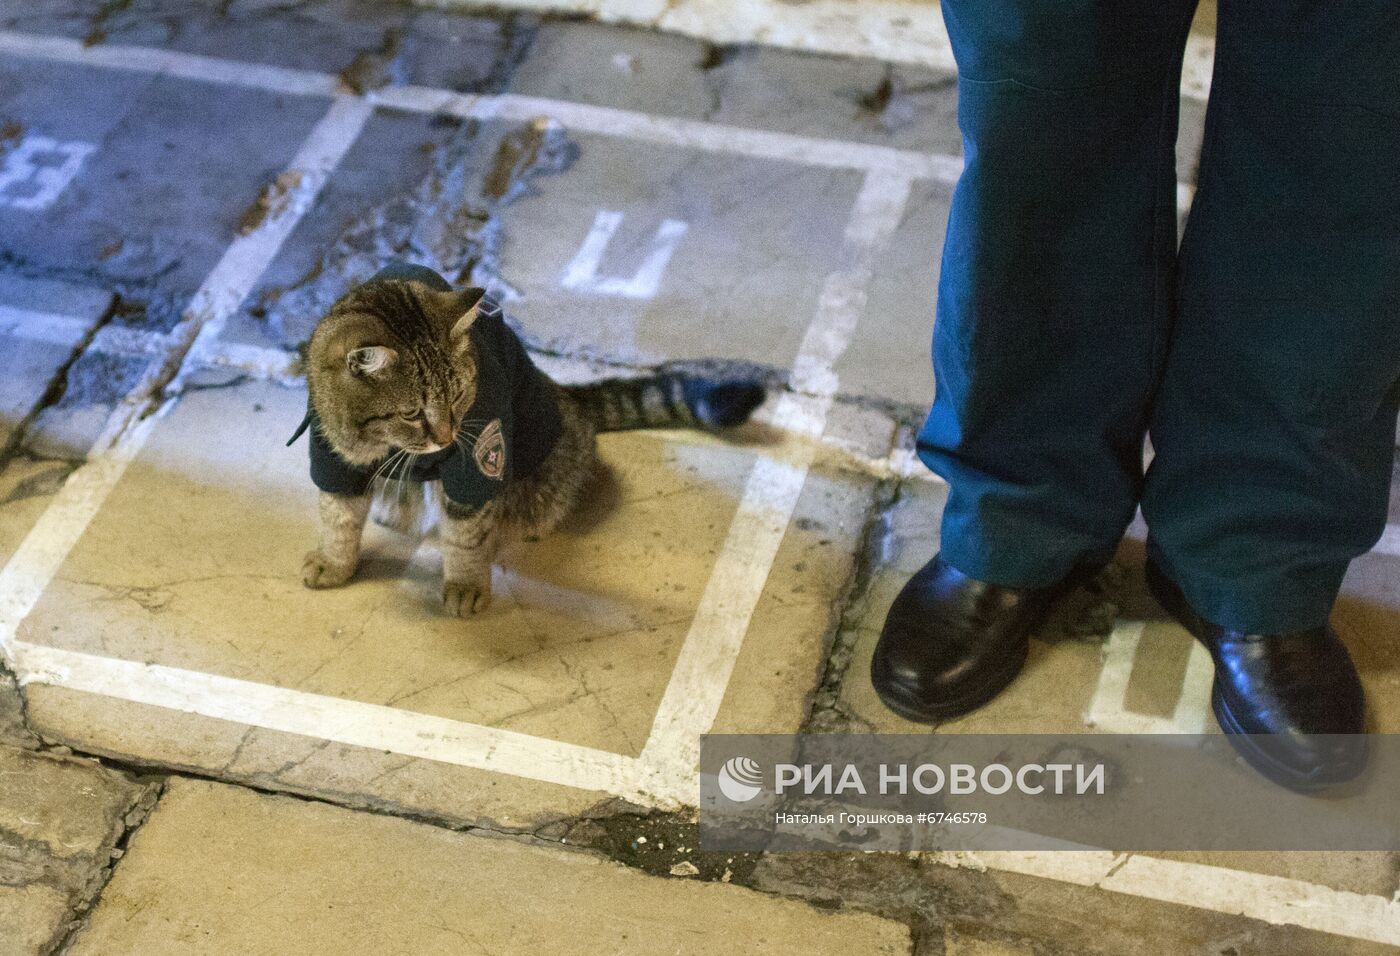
[1292, 702]
[951, 643]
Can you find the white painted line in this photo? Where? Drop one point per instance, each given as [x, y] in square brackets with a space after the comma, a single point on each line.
[878, 212]
[30, 180]
[713, 137]
[47, 545]
[579, 117]
[35, 326]
[582, 117]
[1282, 901]
[581, 274]
[1192, 714]
[186, 66]
[254, 360]
[1108, 710]
[711, 649]
[356, 723]
[67, 330]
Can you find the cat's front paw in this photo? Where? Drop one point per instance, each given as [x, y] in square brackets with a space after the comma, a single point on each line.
[465, 598]
[319, 571]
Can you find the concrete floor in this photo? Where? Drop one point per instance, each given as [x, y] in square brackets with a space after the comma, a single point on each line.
[184, 190]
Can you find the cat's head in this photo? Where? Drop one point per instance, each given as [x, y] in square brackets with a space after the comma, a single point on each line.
[392, 366]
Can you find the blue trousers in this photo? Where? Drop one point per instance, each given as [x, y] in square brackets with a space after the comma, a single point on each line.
[1261, 356]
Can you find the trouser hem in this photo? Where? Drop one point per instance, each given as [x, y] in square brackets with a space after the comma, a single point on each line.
[1257, 605]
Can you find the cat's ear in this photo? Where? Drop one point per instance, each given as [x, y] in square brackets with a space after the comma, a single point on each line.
[464, 322]
[370, 360]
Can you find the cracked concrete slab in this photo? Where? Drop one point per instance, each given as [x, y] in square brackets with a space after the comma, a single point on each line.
[60, 822]
[424, 189]
[741, 276]
[860, 100]
[147, 213]
[578, 647]
[194, 563]
[976, 905]
[152, 205]
[370, 42]
[300, 891]
[43, 323]
[888, 358]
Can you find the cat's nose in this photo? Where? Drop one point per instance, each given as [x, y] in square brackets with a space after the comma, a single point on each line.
[440, 428]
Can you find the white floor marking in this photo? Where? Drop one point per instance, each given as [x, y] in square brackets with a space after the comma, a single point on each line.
[36, 171]
[1272, 899]
[351, 722]
[711, 649]
[185, 66]
[1108, 707]
[581, 274]
[579, 117]
[1192, 714]
[46, 546]
[35, 326]
[675, 131]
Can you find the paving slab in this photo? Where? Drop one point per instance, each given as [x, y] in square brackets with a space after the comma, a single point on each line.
[742, 254]
[888, 357]
[745, 267]
[982, 902]
[370, 42]
[578, 646]
[194, 562]
[150, 203]
[904, 107]
[60, 820]
[1066, 919]
[218, 869]
[364, 215]
[122, 190]
[42, 323]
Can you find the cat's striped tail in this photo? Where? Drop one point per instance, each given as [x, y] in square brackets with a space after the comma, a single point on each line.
[668, 400]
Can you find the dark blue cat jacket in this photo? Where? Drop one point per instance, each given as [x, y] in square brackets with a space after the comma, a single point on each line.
[511, 427]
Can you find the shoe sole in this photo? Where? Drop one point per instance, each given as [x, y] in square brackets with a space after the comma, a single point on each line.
[1174, 602]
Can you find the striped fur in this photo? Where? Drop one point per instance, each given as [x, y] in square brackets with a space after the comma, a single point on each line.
[433, 360]
[667, 400]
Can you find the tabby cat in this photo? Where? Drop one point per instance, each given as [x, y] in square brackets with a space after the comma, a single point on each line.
[410, 379]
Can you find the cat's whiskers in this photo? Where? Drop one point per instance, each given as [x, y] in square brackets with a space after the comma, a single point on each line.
[385, 466]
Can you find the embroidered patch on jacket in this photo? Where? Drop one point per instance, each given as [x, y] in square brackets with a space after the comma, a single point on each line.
[490, 451]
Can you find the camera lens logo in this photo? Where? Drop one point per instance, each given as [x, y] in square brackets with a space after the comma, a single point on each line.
[740, 779]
